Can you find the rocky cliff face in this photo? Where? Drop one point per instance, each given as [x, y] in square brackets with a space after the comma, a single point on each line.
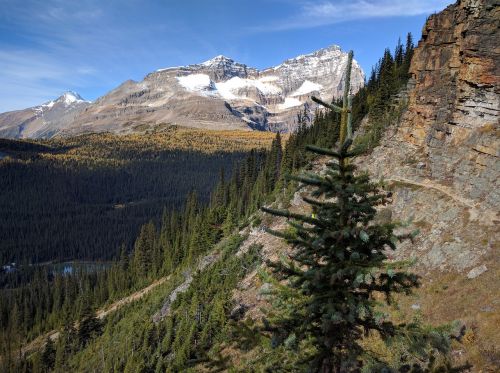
[447, 144]
[442, 162]
[217, 94]
[453, 112]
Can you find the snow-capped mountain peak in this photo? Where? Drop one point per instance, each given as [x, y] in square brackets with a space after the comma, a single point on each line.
[70, 97]
[217, 60]
[67, 98]
[44, 120]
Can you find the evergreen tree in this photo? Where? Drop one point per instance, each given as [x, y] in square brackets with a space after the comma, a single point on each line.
[48, 355]
[230, 222]
[273, 163]
[144, 250]
[337, 266]
[90, 325]
[398, 53]
[408, 53]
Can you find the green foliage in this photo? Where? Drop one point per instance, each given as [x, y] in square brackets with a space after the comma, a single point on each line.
[337, 268]
[326, 295]
[197, 330]
[89, 325]
[188, 336]
[326, 292]
[43, 297]
[376, 99]
[79, 201]
[48, 356]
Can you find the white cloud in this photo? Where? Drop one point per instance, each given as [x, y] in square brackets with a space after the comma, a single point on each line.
[315, 14]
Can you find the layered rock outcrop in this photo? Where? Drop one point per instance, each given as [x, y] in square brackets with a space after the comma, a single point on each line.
[442, 162]
[446, 149]
[453, 111]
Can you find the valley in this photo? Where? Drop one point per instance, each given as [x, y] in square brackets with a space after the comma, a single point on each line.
[71, 184]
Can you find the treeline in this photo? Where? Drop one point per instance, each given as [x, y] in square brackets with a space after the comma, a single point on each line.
[42, 300]
[176, 242]
[197, 321]
[34, 298]
[181, 238]
[389, 76]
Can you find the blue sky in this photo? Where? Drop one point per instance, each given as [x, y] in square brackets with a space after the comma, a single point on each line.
[91, 46]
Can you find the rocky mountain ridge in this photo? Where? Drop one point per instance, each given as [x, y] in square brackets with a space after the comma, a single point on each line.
[216, 94]
[43, 120]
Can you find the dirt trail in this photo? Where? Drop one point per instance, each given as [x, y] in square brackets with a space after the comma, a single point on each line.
[39, 342]
[102, 313]
[476, 213]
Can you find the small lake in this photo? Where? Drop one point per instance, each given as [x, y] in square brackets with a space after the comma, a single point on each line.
[68, 268]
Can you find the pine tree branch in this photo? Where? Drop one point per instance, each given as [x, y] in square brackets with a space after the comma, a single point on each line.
[358, 150]
[345, 148]
[317, 203]
[309, 181]
[323, 151]
[334, 165]
[279, 234]
[288, 214]
[329, 106]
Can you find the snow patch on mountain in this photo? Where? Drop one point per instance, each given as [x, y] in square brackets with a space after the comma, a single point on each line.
[270, 78]
[197, 83]
[169, 68]
[70, 97]
[289, 103]
[201, 83]
[230, 87]
[217, 59]
[66, 99]
[307, 87]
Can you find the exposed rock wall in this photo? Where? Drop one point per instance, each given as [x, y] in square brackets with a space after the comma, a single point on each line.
[443, 158]
[453, 110]
[442, 161]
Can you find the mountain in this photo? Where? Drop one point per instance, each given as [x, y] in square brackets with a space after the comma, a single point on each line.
[44, 120]
[217, 94]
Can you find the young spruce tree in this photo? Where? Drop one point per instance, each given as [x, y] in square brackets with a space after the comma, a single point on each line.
[328, 288]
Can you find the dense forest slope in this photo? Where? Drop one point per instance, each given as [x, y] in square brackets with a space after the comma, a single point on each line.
[83, 197]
